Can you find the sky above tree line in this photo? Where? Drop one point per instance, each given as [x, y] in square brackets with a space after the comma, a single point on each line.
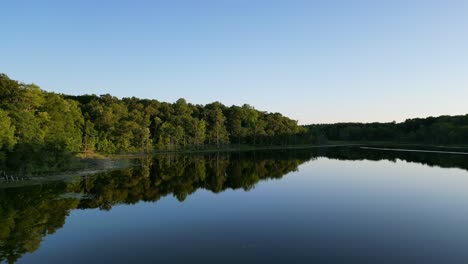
[314, 61]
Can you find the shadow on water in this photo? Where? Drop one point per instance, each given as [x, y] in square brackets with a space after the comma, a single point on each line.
[32, 160]
[29, 213]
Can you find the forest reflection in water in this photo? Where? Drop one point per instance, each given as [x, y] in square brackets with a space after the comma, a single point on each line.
[29, 213]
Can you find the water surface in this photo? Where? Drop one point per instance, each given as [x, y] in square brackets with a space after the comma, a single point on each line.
[328, 205]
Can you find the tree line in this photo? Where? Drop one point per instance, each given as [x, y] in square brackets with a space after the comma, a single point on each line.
[30, 116]
[443, 130]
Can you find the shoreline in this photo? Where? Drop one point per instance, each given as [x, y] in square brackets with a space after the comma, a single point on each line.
[236, 148]
[100, 162]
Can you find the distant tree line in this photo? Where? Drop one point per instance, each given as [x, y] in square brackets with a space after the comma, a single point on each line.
[442, 130]
[30, 116]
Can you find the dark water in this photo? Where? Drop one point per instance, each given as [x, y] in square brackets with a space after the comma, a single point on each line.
[335, 205]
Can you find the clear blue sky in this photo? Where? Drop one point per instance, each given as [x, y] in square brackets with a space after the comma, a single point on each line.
[315, 61]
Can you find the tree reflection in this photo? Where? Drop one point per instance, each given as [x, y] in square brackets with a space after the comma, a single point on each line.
[29, 213]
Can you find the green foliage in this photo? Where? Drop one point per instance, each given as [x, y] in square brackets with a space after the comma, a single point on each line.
[64, 123]
[432, 130]
[217, 133]
[107, 124]
[7, 132]
[30, 116]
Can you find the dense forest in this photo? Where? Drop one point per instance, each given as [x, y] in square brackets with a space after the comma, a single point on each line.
[31, 117]
[33, 120]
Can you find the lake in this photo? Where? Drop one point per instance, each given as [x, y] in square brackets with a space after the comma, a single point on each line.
[320, 205]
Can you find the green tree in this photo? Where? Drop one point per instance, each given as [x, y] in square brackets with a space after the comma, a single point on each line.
[64, 123]
[7, 132]
[217, 132]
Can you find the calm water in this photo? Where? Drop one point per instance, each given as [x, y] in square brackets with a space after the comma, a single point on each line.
[335, 205]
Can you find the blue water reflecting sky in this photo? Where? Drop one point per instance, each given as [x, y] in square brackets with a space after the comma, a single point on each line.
[329, 211]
